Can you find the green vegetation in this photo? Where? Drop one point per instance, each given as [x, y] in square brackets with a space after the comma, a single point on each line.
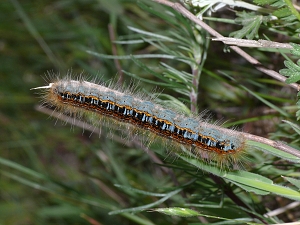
[55, 173]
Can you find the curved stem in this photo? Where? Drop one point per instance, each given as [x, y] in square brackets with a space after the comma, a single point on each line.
[115, 53]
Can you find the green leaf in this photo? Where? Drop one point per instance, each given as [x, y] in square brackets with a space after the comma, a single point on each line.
[145, 207]
[62, 210]
[294, 126]
[123, 187]
[271, 150]
[246, 178]
[271, 105]
[176, 211]
[278, 4]
[294, 78]
[296, 49]
[236, 179]
[154, 35]
[167, 82]
[282, 12]
[293, 71]
[251, 23]
[293, 181]
[292, 66]
[21, 168]
[27, 182]
[185, 212]
[264, 2]
[143, 56]
[257, 182]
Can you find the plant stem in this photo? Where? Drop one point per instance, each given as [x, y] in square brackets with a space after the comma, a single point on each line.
[115, 53]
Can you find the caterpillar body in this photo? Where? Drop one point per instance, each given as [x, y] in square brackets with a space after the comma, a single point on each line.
[206, 141]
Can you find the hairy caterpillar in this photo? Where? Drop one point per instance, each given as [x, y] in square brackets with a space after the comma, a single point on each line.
[204, 140]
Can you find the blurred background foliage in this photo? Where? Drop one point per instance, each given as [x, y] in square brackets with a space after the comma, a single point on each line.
[53, 173]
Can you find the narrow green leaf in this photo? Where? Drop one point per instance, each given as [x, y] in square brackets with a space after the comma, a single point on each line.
[143, 56]
[160, 13]
[139, 191]
[185, 212]
[294, 126]
[222, 173]
[27, 182]
[278, 4]
[251, 189]
[293, 181]
[176, 211]
[245, 178]
[160, 84]
[144, 207]
[252, 176]
[264, 2]
[154, 35]
[21, 168]
[266, 102]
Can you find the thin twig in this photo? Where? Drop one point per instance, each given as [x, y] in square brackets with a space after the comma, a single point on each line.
[281, 210]
[252, 43]
[115, 53]
[181, 9]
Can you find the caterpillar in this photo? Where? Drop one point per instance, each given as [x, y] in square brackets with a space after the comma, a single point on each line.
[206, 141]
